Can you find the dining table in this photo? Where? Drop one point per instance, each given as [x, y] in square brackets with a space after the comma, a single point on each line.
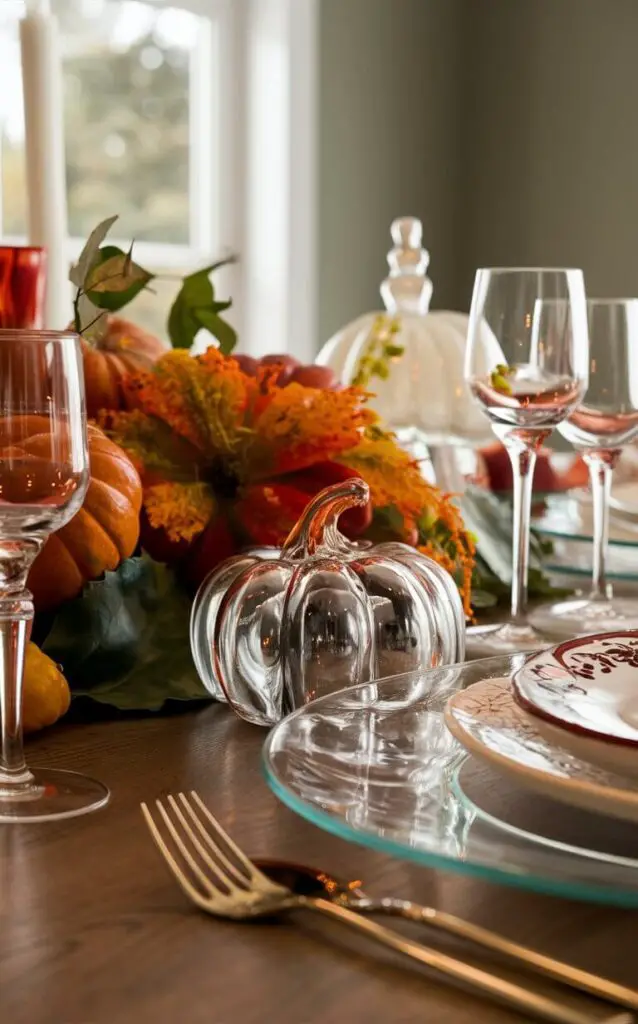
[94, 930]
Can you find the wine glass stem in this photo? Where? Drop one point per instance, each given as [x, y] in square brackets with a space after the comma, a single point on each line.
[16, 612]
[601, 466]
[523, 458]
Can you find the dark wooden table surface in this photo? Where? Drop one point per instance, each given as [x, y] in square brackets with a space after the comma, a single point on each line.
[94, 931]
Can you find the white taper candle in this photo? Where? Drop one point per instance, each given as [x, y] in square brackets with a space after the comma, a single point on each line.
[44, 137]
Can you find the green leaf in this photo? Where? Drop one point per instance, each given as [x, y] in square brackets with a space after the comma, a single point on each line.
[225, 261]
[88, 317]
[490, 519]
[225, 334]
[115, 280]
[482, 598]
[197, 289]
[78, 273]
[125, 641]
[182, 325]
[196, 309]
[540, 586]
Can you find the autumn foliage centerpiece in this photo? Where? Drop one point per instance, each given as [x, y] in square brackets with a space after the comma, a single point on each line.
[229, 459]
[209, 454]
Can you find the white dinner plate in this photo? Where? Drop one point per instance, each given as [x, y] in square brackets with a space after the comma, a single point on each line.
[488, 722]
[583, 696]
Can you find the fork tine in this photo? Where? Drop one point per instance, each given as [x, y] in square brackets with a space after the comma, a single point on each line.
[218, 869]
[174, 867]
[245, 861]
[206, 882]
[231, 871]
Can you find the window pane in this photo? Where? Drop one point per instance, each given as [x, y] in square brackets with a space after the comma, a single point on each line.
[126, 82]
[151, 307]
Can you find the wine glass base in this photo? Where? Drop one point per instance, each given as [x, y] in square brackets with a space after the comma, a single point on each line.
[508, 638]
[52, 794]
[583, 616]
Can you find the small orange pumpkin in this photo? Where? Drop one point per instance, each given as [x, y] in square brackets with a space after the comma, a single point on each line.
[120, 348]
[100, 535]
[46, 695]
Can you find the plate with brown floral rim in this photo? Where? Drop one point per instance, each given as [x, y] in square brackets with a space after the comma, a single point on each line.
[586, 692]
[488, 721]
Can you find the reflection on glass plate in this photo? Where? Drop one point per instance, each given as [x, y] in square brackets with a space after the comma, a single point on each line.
[497, 800]
[623, 503]
[566, 522]
[377, 765]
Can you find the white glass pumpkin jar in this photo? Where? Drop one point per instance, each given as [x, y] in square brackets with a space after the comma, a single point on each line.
[424, 398]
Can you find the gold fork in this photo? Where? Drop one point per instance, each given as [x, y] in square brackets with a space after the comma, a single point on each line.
[235, 888]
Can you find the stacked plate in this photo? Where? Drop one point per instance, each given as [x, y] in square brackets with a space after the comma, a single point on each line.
[579, 698]
[567, 521]
[522, 770]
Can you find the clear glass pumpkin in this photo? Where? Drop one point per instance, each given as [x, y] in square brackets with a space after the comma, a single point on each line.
[424, 399]
[272, 630]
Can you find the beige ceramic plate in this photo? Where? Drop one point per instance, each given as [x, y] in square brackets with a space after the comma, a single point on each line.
[489, 723]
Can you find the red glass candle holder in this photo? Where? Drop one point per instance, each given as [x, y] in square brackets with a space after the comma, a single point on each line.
[23, 271]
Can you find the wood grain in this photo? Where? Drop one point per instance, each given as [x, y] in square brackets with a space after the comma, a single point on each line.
[94, 931]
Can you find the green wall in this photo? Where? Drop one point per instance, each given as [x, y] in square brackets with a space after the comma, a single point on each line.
[388, 145]
[509, 126]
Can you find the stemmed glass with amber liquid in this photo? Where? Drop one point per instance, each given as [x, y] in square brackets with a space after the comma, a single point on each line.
[44, 475]
[527, 366]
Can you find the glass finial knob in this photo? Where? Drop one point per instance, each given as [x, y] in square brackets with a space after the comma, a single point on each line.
[407, 233]
[407, 289]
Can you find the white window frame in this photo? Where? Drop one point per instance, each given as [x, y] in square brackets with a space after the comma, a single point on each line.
[268, 193]
[265, 194]
[279, 255]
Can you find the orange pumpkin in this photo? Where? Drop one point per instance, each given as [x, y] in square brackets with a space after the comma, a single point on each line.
[120, 348]
[100, 535]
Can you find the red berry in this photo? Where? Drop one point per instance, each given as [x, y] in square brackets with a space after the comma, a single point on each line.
[248, 365]
[284, 360]
[315, 377]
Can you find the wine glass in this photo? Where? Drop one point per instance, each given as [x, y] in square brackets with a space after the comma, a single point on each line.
[526, 363]
[44, 474]
[599, 428]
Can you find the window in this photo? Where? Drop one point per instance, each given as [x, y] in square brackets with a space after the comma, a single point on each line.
[194, 120]
[140, 103]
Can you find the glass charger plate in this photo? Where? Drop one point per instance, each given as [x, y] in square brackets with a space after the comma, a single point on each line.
[566, 522]
[376, 765]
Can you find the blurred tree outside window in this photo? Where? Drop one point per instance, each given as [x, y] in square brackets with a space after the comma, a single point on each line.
[140, 124]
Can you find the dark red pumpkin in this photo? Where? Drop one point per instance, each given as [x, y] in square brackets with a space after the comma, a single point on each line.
[248, 522]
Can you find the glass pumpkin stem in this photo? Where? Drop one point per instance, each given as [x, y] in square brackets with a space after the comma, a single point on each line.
[318, 524]
[16, 613]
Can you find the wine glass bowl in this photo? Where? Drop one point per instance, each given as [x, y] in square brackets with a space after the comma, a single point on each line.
[527, 366]
[532, 399]
[525, 361]
[44, 475]
[42, 479]
[607, 419]
[599, 428]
